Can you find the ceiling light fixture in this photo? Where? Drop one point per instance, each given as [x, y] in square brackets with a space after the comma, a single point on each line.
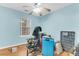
[37, 10]
[38, 4]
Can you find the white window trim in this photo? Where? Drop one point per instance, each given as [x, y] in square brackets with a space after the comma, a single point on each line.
[29, 26]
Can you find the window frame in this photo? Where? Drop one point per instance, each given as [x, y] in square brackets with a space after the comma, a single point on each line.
[28, 25]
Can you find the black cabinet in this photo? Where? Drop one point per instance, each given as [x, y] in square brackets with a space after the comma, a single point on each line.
[68, 40]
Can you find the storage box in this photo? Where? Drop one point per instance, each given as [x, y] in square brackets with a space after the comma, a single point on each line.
[47, 46]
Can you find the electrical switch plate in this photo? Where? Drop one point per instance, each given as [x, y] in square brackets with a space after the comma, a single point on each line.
[14, 49]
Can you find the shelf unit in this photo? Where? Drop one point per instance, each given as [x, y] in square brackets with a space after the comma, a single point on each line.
[68, 40]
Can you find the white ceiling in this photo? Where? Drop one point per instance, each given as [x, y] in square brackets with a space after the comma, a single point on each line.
[21, 6]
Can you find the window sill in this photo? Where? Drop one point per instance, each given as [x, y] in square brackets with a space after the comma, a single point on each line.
[26, 36]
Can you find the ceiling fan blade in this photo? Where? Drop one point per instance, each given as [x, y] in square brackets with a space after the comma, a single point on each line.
[31, 6]
[31, 13]
[48, 9]
[35, 3]
[27, 6]
[26, 10]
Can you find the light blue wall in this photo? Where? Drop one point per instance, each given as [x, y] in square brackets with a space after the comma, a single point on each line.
[10, 26]
[65, 19]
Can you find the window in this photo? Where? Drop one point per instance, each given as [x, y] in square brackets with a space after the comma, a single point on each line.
[25, 27]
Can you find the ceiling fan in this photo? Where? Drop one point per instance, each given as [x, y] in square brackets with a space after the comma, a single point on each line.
[37, 7]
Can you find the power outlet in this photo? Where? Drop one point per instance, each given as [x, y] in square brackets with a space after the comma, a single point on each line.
[14, 49]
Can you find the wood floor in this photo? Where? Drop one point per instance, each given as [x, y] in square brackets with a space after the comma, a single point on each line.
[21, 51]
